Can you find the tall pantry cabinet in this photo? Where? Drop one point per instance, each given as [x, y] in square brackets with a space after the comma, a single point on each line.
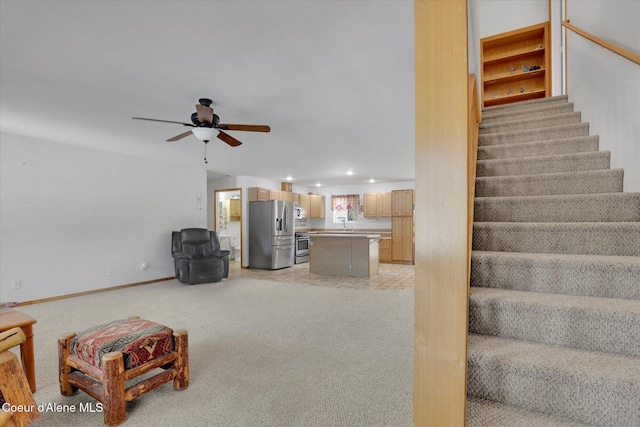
[402, 226]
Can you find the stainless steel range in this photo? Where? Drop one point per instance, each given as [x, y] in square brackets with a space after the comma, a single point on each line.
[302, 247]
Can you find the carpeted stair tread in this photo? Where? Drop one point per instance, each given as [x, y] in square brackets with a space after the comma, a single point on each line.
[496, 117]
[577, 144]
[559, 208]
[574, 162]
[590, 387]
[587, 238]
[541, 134]
[524, 105]
[585, 182]
[531, 123]
[487, 413]
[587, 275]
[589, 323]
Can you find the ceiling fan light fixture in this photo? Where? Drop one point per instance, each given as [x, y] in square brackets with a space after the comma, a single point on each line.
[204, 134]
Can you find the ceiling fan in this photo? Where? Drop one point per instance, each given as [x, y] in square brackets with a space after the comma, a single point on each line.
[205, 123]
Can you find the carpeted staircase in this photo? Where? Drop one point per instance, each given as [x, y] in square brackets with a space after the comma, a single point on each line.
[554, 311]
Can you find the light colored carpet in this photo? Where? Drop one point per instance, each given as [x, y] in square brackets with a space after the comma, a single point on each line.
[554, 311]
[262, 353]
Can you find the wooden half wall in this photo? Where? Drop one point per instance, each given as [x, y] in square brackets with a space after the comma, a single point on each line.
[441, 238]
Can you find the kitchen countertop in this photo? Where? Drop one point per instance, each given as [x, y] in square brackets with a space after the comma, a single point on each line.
[347, 234]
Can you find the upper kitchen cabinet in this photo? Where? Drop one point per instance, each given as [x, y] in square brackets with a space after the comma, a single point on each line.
[377, 204]
[317, 203]
[305, 204]
[257, 194]
[286, 196]
[516, 65]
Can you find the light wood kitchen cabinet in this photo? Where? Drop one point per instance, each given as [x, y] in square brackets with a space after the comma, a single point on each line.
[384, 204]
[377, 204]
[402, 245]
[296, 199]
[257, 194]
[305, 204]
[317, 206]
[385, 250]
[286, 196]
[402, 204]
[402, 238]
[234, 209]
[274, 195]
[507, 59]
[370, 205]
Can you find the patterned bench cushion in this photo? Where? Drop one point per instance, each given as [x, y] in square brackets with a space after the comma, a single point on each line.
[139, 341]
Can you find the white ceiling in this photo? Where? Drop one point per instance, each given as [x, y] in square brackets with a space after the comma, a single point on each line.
[333, 79]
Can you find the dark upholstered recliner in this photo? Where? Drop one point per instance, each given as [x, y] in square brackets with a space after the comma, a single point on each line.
[197, 256]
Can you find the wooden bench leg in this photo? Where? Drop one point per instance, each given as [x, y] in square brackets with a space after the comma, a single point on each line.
[64, 348]
[115, 404]
[181, 364]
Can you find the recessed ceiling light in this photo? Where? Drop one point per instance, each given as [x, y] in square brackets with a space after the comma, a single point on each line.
[372, 180]
[318, 185]
[289, 178]
[349, 172]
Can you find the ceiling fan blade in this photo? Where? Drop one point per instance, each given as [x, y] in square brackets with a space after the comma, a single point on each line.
[205, 114]
[182, 135]
[249, 128]
[163, 121]
[229, 139]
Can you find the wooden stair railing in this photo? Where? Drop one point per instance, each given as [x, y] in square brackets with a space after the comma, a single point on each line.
[625, 53]
[474, 122]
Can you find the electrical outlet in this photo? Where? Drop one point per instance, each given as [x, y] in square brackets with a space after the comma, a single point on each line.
[109, 271]
[17, 284]
[143, 266]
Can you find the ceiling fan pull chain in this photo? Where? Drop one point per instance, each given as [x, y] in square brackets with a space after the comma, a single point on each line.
[205, 152]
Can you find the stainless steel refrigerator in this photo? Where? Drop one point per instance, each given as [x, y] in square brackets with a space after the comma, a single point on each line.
[271, 235]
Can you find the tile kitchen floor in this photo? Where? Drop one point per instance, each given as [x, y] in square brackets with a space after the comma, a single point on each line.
[390, 276]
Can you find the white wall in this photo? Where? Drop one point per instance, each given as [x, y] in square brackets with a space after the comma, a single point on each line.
[491, 17]
[604, 86]
[70, 214]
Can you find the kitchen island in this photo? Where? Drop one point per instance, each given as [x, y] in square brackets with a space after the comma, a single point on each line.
[344, 254]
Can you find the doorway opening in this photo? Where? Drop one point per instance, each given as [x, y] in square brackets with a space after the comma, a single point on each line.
[228, 221]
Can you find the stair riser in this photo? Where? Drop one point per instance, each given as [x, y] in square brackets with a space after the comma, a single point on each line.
[550, 164]
[587, 208]
[529, 124]
[619, 239]
[607, 181]
[545, 148]
[555, 275]
[591, 401]
[527, 105]
[498, 117]
[544, 134]
[578, 327]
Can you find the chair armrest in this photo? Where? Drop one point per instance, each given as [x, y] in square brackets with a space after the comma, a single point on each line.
[182, 255]
[221, 253]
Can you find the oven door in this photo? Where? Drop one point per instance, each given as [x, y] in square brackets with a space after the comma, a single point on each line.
[302, 250]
